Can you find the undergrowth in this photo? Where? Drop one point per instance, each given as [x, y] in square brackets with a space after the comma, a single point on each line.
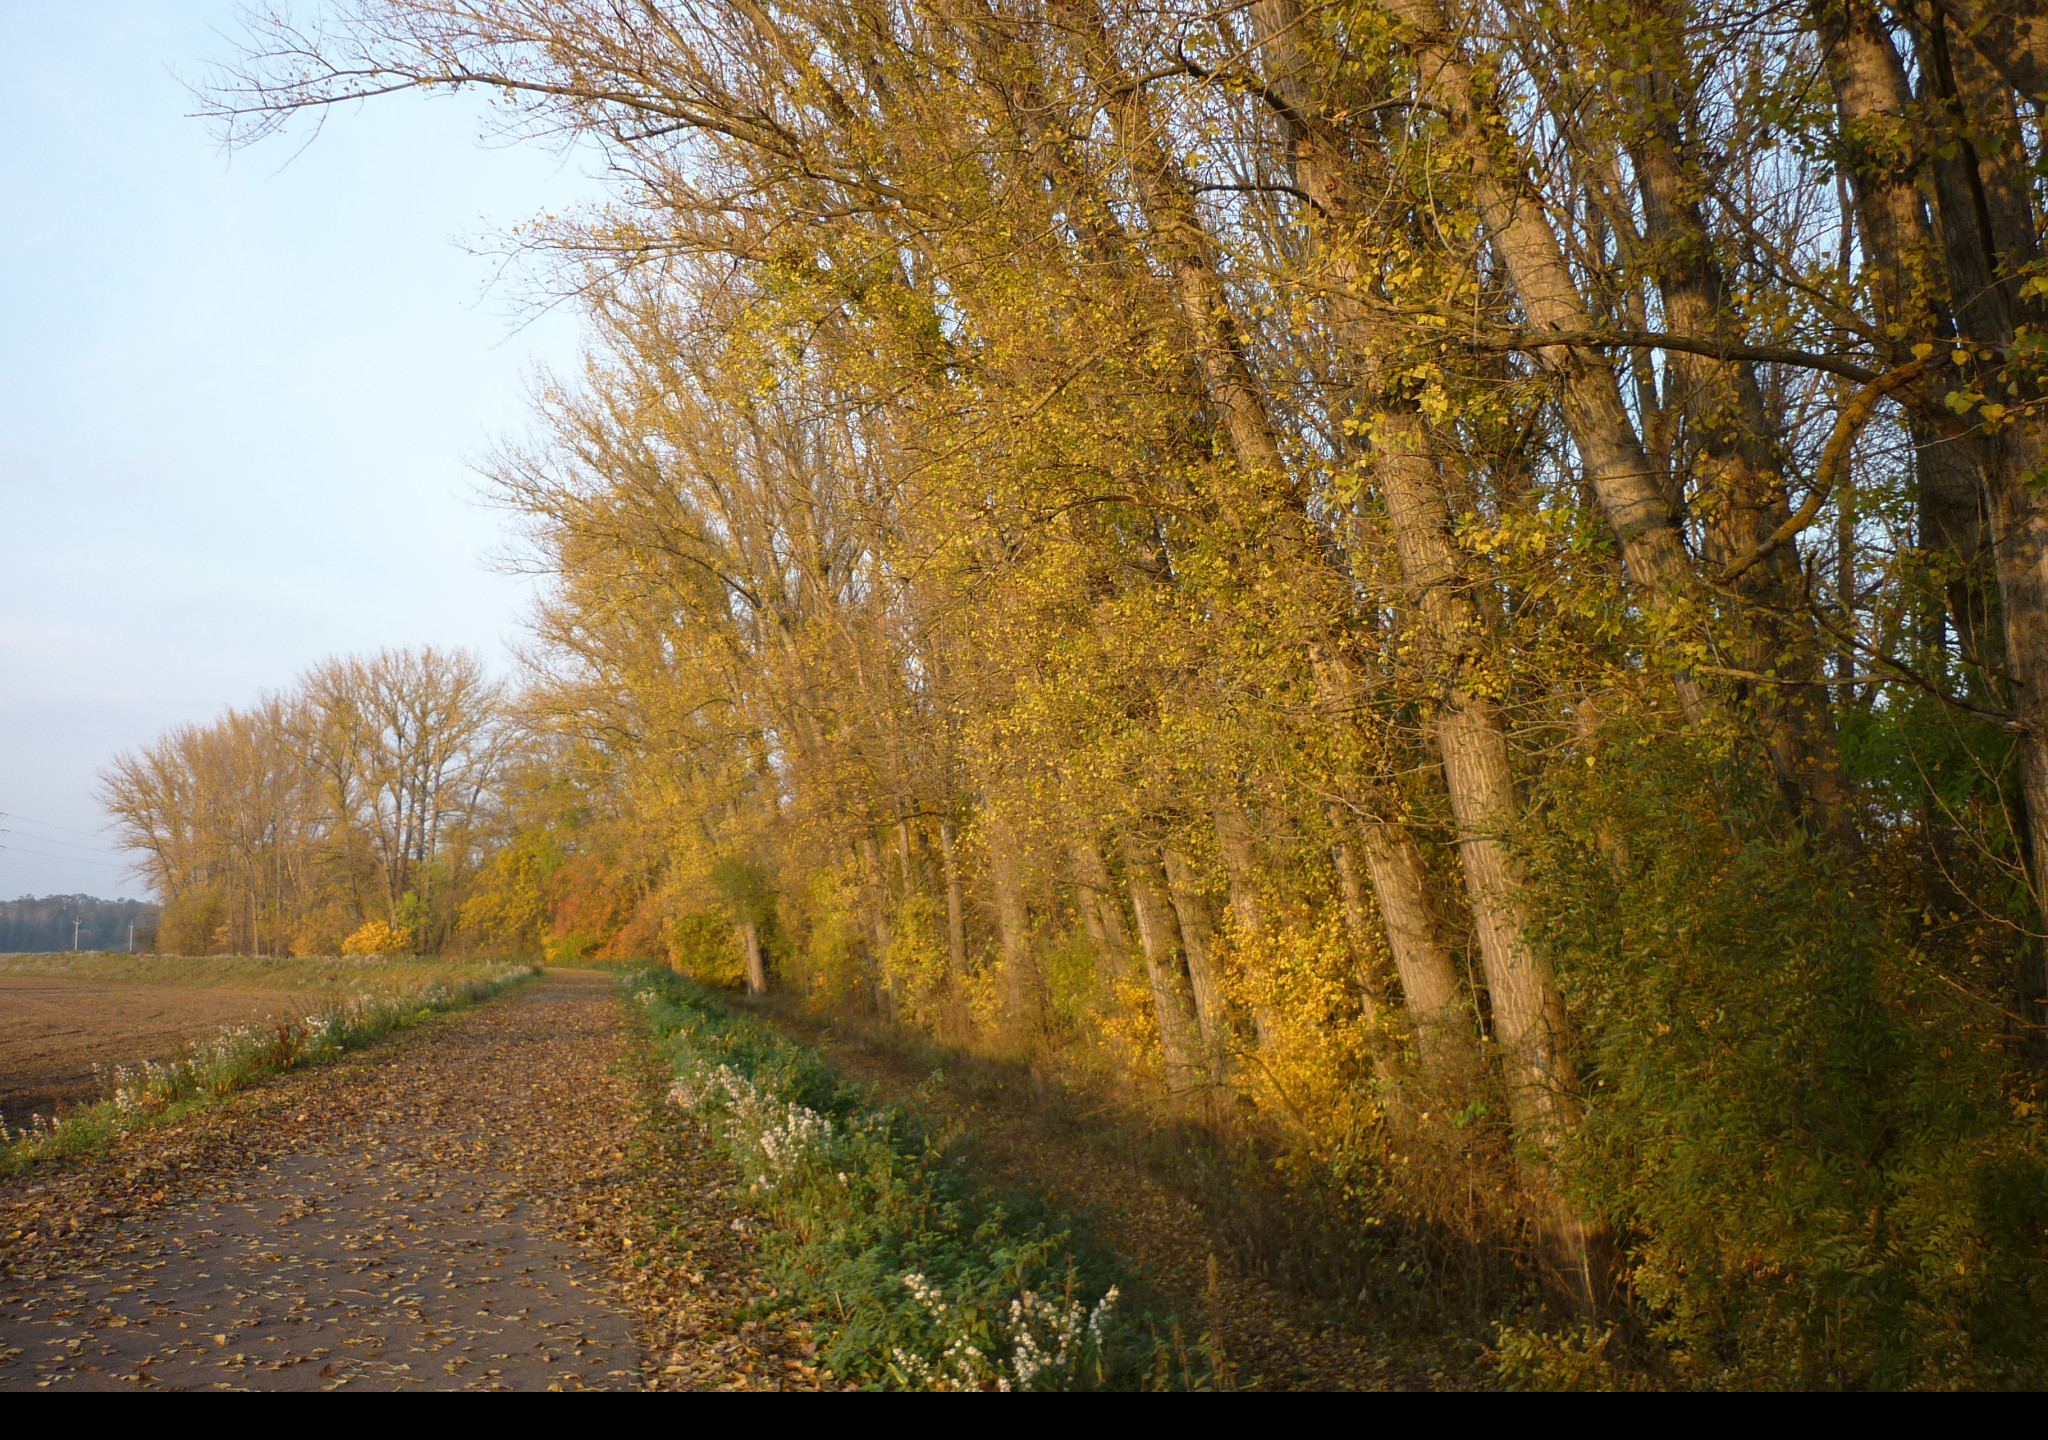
[1427, 1294]
[872, 1227]
[237, 1058]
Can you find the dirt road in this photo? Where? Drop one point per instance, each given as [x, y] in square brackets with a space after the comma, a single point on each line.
[468, 1207]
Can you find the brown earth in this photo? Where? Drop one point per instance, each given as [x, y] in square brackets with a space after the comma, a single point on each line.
[54, 1029]
[474, 1204]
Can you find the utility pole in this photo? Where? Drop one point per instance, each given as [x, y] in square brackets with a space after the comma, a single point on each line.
[74, 934]
[131, 937]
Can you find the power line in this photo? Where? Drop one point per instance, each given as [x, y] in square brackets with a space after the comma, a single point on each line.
[48, 824]
[53, 840]
[24, 850]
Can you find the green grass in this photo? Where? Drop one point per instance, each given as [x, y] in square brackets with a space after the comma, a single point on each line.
[243, 1055]
[875, 1231]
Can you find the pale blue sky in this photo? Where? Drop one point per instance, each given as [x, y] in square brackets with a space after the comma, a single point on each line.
[239, 399]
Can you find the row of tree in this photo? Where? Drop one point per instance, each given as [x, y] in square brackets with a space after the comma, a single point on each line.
[1462, 581]
[369, 792]
[75, 922]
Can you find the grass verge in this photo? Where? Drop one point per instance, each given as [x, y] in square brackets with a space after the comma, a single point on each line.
[916, 1276]
[239, 1057]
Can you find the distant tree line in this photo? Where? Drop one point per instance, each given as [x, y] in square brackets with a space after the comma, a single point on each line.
[364, 796]
[37, 923]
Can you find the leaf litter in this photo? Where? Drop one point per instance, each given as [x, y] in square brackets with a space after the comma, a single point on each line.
[497, 1200]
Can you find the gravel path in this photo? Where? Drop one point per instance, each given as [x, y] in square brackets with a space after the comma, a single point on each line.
[470, 1206]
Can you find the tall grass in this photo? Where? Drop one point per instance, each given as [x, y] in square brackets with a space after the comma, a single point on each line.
[238, 1057]
[920, 1279]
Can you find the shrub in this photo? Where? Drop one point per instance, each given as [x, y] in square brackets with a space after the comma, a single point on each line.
[190, 923]
[1823, 1161]
[702, 946]
[375, 937]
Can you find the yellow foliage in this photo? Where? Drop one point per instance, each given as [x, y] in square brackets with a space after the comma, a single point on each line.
[1314, 1074]
[564, 949]
[702, 945]
[826, 966]
[1574, 1359]
[375, 937]
[510, 905]
[321, 933]
[1130, 1029]
[916, 962]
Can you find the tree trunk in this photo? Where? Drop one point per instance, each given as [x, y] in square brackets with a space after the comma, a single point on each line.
[1012, 928]
[1247, 907]
[1365, 968]
[757, 971]
[1186, 250]
[878, 922]
[1528, 1014]
[1990, 237]
[1158, 938]
[1589, 392]
[1739, 490]
[1446, 1032]
[1240, 864]
[956, 929]
[904, 862]
[1101, 911]
[1873, 106]
[2012, 36]
[1191, 907]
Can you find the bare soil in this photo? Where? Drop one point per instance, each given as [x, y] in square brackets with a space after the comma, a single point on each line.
[54, 1029]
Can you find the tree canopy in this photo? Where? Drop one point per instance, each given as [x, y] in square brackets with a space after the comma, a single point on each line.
[1464, 586]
